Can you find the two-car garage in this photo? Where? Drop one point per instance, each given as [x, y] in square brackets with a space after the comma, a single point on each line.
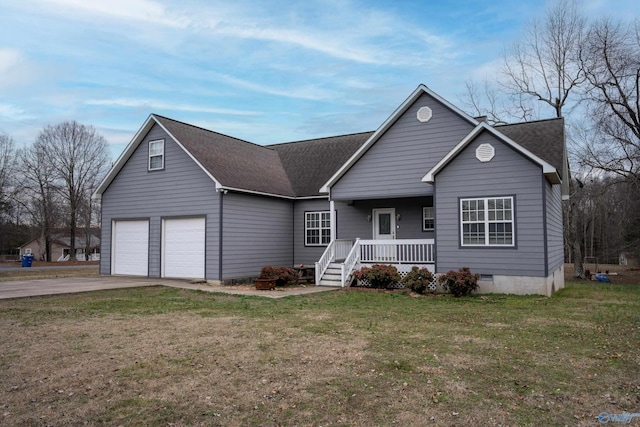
[181, 251]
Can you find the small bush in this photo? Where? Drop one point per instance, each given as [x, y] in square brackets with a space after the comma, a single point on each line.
[460, 283]
[284, 276]
[418, 279]
[380, 276]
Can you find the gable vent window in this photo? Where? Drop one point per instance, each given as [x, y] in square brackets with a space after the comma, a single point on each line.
[156, 155]
[424, 114]
[485, 152]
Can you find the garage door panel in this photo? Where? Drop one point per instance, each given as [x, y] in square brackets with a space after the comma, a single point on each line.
[183, 248]
[130, 248]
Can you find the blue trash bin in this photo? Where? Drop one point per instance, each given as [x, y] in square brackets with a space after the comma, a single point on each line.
[27, 260]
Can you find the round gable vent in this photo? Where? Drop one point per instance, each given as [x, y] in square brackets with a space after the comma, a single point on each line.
[424, 114]
[485, 152]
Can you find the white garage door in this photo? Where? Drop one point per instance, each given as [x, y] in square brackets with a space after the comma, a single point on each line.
[130, 254]
[183, 248]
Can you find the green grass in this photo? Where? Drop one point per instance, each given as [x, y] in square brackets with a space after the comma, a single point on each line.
[355, 358]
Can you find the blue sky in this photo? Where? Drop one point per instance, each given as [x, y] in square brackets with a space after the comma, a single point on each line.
[263, 71]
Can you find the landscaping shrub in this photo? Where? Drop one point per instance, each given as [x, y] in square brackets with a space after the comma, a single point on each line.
[380, 276]
[460, 283]
[418, 279]
[284, 276]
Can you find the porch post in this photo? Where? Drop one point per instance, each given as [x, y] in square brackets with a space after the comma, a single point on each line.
[332, 213]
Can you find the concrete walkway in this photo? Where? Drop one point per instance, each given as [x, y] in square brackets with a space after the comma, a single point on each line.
[39, 287]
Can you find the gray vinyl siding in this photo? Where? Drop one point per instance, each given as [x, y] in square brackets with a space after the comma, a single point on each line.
[396, 163]
[306, 254]
[352, 220]
[555, 239]
[257, 231]
[508, 174]
[180, 189]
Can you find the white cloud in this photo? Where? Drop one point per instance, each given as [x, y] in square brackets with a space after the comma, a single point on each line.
[9, 58]
[11, 112]
[308, 92]
[158, 105]
[133, 10]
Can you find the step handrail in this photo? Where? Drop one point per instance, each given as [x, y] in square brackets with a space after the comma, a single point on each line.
[324, 261]
[349, 263]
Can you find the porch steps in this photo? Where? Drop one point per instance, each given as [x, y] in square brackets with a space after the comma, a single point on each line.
[332, 276]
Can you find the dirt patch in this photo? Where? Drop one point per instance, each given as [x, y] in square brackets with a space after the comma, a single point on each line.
[617, 274]
[78, 369]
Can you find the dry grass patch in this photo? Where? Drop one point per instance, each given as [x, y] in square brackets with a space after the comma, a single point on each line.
[158, 356]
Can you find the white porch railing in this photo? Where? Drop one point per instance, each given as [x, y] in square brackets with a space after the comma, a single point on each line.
[353, 253]
[414, 251]
[336, 250]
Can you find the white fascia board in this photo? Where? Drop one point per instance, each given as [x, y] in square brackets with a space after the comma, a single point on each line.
[124, 156]
[548, 170]
[218, 184]
[259, 193]
[387, 124]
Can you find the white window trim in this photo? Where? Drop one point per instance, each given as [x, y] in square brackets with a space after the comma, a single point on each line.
[425, 217]
[320, 228]
[486, 223]
[156, 155]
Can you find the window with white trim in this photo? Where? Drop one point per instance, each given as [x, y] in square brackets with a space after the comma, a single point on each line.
[487, 221]
[317, 228]
[428, 216]
[156, 155]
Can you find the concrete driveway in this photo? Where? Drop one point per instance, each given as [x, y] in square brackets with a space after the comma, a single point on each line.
[39, 287]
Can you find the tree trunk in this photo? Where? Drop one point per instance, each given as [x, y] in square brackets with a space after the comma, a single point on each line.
[578, 261]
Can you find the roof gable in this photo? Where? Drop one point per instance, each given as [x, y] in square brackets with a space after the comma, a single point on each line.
[231, 163]
[420, 90]
[548, 170]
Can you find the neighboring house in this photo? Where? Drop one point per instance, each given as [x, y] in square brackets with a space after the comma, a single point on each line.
[629, 259]
[432, 186]
[61, 246]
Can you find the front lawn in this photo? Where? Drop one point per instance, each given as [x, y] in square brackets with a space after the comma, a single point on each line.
[164, 356]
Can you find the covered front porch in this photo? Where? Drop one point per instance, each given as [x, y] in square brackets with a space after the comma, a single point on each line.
[344, 256]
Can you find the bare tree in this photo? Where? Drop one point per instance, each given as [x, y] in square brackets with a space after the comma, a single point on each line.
[545, 65]
[489, 100]
[78, 156]
[39, 193]
[7, 170]
[611, 60]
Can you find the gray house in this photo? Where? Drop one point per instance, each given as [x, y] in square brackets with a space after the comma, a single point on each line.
[431, 186]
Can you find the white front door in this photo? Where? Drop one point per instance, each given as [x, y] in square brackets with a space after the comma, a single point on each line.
[384, 228]
[384, 224]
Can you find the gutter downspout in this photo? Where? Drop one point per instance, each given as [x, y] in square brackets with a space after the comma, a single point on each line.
[220, 246]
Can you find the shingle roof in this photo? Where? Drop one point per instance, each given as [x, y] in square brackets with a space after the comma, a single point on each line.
[309, 164]
[544, 138]
[300, 168]
[233, 162]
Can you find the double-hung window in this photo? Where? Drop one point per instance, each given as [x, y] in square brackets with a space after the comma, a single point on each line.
[156, 155]
[317, 228]
[428, 216]
[487, 221]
